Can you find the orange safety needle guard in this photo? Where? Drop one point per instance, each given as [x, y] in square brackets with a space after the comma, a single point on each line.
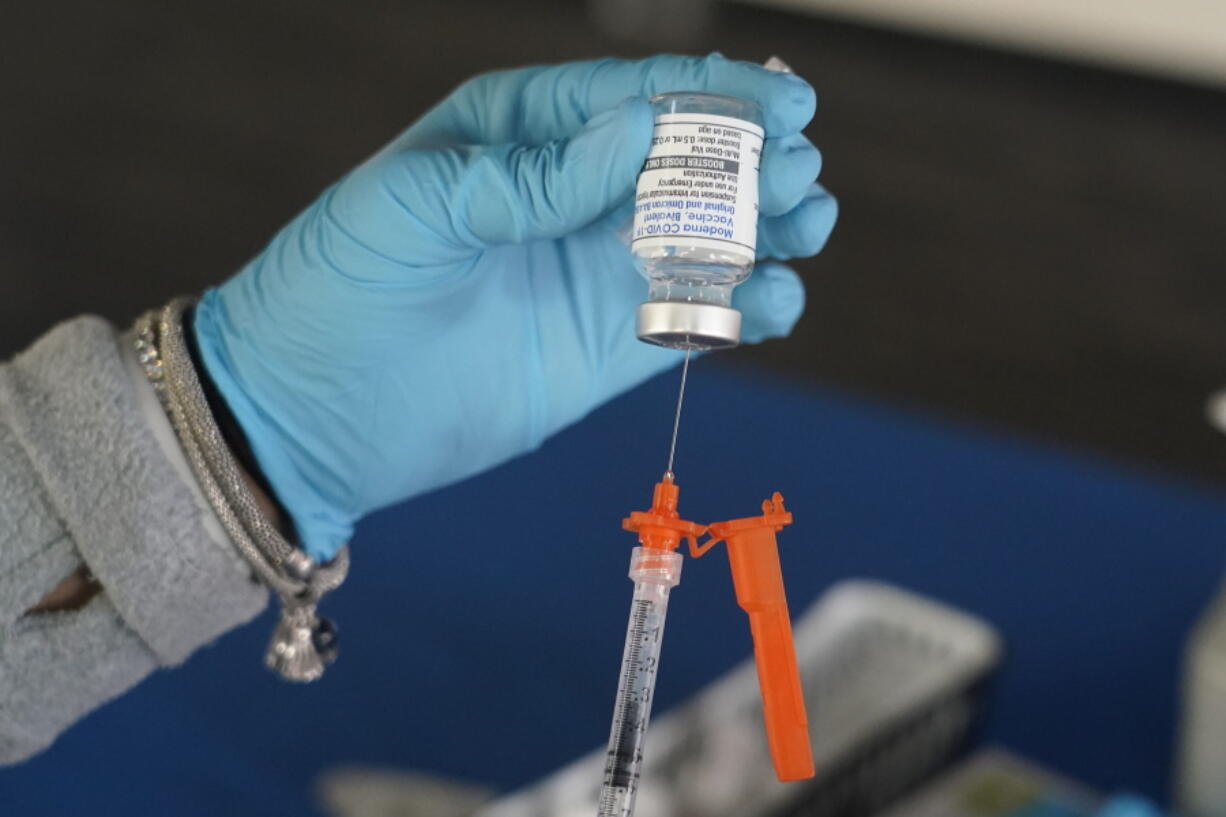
[757, 576]
[662, 527]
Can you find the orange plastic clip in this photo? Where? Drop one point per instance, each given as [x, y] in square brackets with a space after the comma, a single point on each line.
[754, 556]
[662, 527]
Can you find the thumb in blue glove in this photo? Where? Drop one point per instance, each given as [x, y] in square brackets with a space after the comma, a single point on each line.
[472, 197]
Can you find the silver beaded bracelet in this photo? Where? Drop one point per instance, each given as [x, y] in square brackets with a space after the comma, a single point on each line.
[303, 642]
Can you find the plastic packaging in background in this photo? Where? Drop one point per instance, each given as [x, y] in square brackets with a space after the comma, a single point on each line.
[1200, 771]
[358, 791]
[995, 783]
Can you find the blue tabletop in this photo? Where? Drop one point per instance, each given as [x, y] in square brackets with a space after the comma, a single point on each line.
[482, 624]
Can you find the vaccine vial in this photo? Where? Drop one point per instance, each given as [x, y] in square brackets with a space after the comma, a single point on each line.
[696, 218]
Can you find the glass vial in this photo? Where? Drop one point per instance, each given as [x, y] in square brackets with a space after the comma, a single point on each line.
[696, 218]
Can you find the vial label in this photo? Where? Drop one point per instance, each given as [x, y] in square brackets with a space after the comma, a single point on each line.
[699, 185]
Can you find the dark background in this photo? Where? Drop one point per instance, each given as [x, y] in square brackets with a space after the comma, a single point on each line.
[1023, 243]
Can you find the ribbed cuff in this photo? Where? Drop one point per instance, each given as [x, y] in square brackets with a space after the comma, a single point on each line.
[92, 429]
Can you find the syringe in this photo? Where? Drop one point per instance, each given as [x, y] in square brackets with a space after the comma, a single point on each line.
[654, 573]
[655, 568]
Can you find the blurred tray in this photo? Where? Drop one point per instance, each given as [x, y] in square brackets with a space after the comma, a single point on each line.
[994, 782]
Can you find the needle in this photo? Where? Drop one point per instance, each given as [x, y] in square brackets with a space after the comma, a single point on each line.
[672, 448]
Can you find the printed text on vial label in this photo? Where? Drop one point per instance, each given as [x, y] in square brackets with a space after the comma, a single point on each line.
[700, 181]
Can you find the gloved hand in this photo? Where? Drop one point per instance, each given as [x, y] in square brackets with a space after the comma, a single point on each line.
[461, 295]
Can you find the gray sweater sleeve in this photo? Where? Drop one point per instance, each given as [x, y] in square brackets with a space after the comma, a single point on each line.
[91, 475]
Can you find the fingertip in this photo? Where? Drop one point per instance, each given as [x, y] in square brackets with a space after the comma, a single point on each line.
[802, 231]
[641, 116]
[789, 167]
[821, 212]
[830, 215]
[620, 137]
[786, 295]
[637, 122]
[788, 101]
[631, 119]
[814, 160]
[818, 211]
[795, 104]
[771, 302]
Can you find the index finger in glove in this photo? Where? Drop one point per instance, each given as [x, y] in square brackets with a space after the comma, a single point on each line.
[544, 103]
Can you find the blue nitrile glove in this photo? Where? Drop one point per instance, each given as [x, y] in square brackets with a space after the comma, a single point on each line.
[461, 295]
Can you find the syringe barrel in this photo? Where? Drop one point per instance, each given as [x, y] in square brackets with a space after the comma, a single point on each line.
[655, 572]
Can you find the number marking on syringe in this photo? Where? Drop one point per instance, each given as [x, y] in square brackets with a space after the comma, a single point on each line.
[631, 714]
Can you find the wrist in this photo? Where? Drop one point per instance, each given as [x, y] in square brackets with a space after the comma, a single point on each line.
[233, 434]
[267, 504]
[303, 642]
[270, 456]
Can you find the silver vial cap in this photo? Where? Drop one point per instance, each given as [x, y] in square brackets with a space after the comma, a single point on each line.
[684, 325]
